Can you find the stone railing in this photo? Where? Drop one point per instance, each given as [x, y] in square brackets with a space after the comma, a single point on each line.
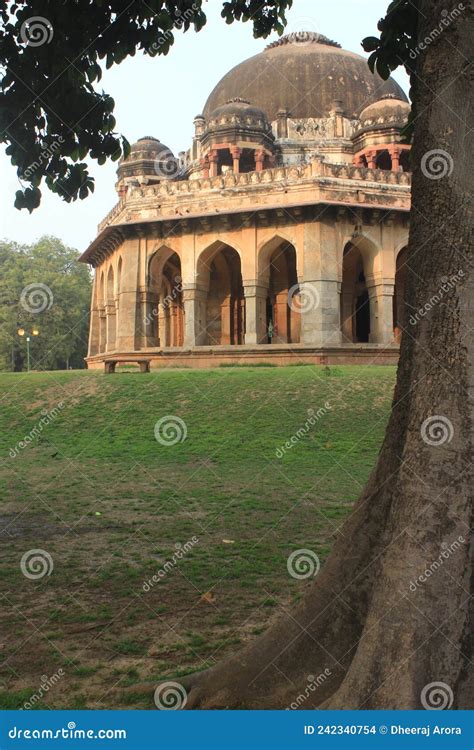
[350, 172]
[314, 173]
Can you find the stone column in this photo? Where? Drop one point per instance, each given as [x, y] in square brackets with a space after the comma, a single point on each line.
[148, 317]
[102, 330]
[236, 153]
[213, 159]
[347, 309]
[226, 321]
[194, 302]
[259, 159]
[255, 313]
[281, 315]
[371, 157]
[320, 312]
[94, 326]
[395, 157]
[94, 333]
[111, 325]
[128, 333]
[381, 311]
[282, 123]
[162, 323]
[205, 166]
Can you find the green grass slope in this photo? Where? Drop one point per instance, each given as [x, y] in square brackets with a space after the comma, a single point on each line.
[84, 479]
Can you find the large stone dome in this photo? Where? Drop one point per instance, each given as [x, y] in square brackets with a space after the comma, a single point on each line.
[304, 74]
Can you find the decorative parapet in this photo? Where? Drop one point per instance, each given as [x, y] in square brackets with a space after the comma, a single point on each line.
[113, 213]
[317, 181]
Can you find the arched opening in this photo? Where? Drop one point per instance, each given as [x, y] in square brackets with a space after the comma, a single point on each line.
[405, 160]
[399, 294]
[355, 307]
[102, 315]
[166, 317]
[383, 160]
[225, 308]
[283, 316]
[111, 311]
[110, 286]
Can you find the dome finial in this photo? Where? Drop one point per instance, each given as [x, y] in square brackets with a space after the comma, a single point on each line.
[237, 100]
[303, 37]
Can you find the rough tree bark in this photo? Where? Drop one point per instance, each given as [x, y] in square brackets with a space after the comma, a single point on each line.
[382, 637]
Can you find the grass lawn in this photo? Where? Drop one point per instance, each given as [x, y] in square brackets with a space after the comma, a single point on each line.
[110, 504]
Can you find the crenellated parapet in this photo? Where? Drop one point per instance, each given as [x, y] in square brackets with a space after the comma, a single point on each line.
[279, 186]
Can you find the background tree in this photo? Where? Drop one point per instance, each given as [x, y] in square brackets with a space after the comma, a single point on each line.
[51, 115]
[42, 286]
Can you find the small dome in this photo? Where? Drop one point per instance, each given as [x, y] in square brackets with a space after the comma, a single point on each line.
[238, 113]
[148, 156]
[386, 112]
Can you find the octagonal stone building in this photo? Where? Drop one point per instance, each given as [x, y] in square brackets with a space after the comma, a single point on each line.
[280, 234]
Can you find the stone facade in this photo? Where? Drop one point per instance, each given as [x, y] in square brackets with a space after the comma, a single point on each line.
[281, 241]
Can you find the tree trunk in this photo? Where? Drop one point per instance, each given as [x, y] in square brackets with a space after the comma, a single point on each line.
[378, 633]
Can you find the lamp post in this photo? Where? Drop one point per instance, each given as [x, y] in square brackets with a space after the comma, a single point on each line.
[34, 332]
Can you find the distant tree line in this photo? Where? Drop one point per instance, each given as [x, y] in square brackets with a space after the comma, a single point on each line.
[44, 295]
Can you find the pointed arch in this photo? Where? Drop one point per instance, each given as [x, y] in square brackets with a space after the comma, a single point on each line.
[110, 285]
[206, 257]
[265, 253]
[277, 271]
[165, 316]
[219, 271]
[102, 314]
[355, 306]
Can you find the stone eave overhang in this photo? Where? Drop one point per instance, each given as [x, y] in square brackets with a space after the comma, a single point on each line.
[110, 237]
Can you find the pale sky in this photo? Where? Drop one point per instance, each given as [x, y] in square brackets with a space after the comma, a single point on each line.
[161, 96]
